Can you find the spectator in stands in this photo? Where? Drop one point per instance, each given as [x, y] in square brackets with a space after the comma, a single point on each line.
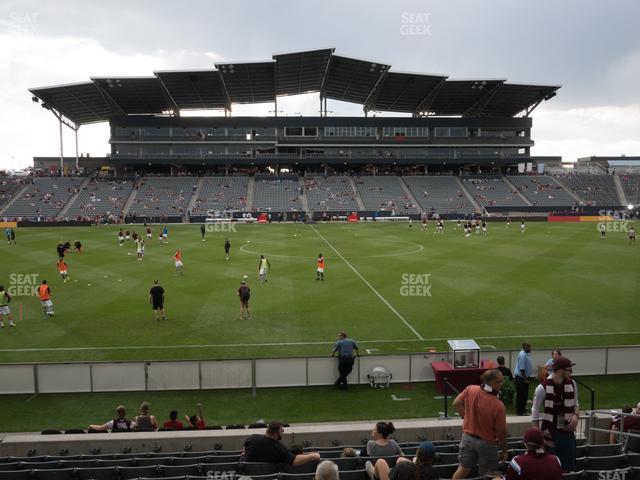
[346, 348]
[421, 468]
[348, 452]
[523, 372]
[268, 448]
[196, 422]
[380, 444]
[327, 470]
[630, 422]
[484, 426]
[555, 403]
[145, 422]
[173, 421]
[296, 449]
[555, 353]
[507, 391]
[120, 423]
[535, 463]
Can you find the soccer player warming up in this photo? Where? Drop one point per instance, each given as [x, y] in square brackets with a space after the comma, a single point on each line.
[177, 257]
[44, 294]
[320, 269]
[263, 267]
[227, 248]
[5, 298]
[63, 270]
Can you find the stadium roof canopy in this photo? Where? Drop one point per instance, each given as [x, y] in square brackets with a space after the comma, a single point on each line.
[371, 84]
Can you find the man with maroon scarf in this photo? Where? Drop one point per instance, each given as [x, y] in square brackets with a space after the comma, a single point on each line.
[556, 409]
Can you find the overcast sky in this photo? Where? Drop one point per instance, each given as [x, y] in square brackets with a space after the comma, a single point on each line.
[590, 47]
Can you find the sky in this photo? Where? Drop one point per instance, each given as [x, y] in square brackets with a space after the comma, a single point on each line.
[590, 47]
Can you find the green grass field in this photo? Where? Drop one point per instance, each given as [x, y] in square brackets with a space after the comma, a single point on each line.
[556, 285]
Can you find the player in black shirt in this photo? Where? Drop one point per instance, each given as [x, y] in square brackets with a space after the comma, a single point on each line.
[202, 231]
[156, 299]
[227, 248]
[60, 250]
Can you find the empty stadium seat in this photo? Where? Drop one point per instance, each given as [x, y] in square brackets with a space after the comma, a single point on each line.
[16, 475]
[593, 189]
[96, 473]
[354, 475]
[606, 463]
[277, 194]
[573, 475]
[57, 474]
[603, 450]
[179, 470]
[330, 193]
[151, 471]
[492, 190]
[542, 190]
[446, 471]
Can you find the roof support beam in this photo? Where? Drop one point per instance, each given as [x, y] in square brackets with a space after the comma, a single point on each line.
[424, 105]
[475, 109]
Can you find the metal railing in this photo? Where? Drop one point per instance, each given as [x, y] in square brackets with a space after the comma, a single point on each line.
[626, 437]
[592, 393]
[448, 386]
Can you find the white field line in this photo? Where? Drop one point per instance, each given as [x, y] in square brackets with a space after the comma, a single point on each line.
[287, 344]
[384, 300]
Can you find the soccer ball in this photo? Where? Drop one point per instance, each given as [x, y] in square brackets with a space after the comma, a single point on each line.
[129, 253]
[245, 277]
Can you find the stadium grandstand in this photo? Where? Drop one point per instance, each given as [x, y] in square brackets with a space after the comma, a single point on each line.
[452, 148]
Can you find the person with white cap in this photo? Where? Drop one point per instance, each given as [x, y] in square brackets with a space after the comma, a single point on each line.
[556, 410]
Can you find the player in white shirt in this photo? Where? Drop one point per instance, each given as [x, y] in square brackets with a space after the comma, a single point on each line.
[632, 236]
[140, 248]
[603, 231]
[522, 226]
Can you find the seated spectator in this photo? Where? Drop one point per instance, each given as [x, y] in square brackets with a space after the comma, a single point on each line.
[120, 423]
[536, 463]
[173, 421]
[196, 422]
[296, 449]
[421, 468]
[348, 452]
[269, 448]
[630, 422]
[327, 470]
[144, 421]
[380, 444]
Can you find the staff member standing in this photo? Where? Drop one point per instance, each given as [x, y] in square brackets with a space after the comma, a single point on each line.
[156, 298]
[523, 372]
[346, 348]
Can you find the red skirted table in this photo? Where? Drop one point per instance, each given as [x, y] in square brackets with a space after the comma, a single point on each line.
[460, 378]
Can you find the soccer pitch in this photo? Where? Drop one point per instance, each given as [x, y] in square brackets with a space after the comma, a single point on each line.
[392, 288]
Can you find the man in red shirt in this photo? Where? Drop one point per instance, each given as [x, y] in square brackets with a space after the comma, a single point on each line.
[536, 463]
[484, 426]
[173, 421]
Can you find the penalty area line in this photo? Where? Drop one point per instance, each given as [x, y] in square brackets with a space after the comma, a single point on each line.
[384, 300]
